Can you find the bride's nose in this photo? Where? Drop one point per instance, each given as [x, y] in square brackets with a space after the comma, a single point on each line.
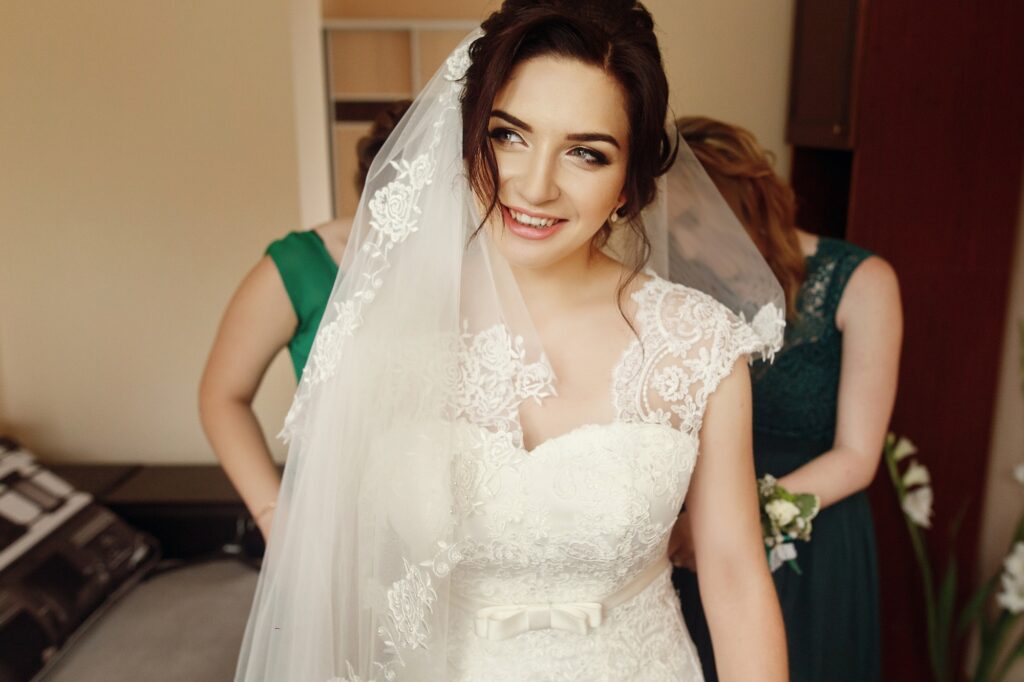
[538, 183]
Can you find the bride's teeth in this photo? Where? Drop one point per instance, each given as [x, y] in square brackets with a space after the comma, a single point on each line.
[530, 220]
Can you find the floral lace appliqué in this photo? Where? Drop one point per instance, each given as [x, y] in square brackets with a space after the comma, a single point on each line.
[410, 600]
[688, 344]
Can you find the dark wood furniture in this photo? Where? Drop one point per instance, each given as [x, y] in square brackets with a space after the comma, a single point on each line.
[192, 510]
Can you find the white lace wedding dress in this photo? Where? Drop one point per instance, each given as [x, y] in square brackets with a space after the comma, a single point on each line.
[563, 574]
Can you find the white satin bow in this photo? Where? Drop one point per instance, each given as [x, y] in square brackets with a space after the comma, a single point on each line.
[502, 622]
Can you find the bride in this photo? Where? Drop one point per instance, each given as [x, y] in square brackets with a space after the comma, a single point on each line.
[538, 351]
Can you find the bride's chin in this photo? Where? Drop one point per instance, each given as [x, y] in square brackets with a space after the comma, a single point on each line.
[523, 254]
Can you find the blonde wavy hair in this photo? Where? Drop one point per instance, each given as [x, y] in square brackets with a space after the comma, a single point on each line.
[744, 173]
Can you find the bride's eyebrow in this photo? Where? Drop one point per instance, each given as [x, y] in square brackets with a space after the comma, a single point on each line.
[498, 113]
[575, 137]
[594, 137]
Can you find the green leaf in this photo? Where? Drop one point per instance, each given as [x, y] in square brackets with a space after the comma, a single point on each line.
[974, 607]
[946, 601]
[807, 504]
[991, 645]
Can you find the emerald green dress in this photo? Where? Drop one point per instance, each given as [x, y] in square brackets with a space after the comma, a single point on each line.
[831, 609]
[308, 272]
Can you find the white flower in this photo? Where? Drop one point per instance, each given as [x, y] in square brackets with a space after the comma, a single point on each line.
[410, 601]
[916, 474]
[326, 351]
[780, 554]
[766, 485]
[494, 350]
[1018, 473]
[769, 324]
[349, 319]
[419, 172]
[536, 381]
[392, 207]
[1011, 597]
[671, 383]
[782, 512]
[903, 449]
[917, 505]
[1014, 562]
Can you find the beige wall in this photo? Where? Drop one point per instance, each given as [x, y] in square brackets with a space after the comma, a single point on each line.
[1004, 496]
[147, 156]
[310, 102]
[149, 152]
[730, 60]
[408, 9]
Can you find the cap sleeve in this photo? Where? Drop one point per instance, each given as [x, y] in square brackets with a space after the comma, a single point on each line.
[689, 343]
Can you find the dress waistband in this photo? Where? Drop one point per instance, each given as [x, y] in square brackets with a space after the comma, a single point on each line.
[496, 621]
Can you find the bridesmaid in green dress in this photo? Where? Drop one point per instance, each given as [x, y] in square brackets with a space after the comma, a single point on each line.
[279, 304]
[821, 411]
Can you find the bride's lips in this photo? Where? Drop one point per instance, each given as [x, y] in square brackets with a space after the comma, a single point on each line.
[528, 231]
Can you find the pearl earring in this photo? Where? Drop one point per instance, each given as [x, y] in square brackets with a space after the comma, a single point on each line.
[615, 216]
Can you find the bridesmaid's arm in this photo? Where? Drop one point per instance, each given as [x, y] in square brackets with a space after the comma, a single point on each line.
[735, 585]
[871, 321]
[258, 323]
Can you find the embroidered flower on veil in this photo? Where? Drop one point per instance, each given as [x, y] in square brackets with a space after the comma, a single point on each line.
[458, 63]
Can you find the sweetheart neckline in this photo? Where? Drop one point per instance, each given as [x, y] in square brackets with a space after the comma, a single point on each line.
[594, 426]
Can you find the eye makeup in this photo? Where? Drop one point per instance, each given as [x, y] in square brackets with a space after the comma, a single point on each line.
[588, 155]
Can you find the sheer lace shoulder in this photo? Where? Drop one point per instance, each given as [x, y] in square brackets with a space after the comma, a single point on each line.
[688, 342]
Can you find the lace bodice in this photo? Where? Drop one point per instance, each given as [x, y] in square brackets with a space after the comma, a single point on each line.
[585, 513]
[796, 395]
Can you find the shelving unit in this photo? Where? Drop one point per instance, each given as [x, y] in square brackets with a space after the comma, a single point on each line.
[370, 63]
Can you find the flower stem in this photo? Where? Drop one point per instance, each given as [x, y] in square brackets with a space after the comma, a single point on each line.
[936, 650]
[990, 649]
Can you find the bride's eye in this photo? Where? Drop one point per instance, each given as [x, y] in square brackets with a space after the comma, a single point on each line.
[591, 157]
[505, 136]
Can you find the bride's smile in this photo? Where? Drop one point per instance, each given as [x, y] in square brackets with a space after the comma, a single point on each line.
[530, 225]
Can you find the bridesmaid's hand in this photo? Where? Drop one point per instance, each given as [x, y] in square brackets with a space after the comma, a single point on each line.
[680, 544]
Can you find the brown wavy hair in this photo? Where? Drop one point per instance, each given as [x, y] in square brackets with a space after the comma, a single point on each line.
[617, 36]
[744, 173]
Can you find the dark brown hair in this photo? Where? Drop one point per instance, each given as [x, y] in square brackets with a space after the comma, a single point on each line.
[616, 36]
[369, 145]
[744, 174]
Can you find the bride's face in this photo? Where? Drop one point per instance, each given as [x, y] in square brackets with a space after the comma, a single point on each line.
[560, 135]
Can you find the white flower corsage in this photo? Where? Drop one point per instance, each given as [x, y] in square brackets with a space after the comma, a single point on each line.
[785, 517]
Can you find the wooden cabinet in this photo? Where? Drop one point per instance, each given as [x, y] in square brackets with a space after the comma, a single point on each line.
[828, 51]
[827, 42]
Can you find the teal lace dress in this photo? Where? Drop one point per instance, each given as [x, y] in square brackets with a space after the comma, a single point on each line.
[831, 609]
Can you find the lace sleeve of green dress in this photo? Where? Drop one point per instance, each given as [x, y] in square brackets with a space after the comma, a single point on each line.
[797, 394]
[308, 272]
